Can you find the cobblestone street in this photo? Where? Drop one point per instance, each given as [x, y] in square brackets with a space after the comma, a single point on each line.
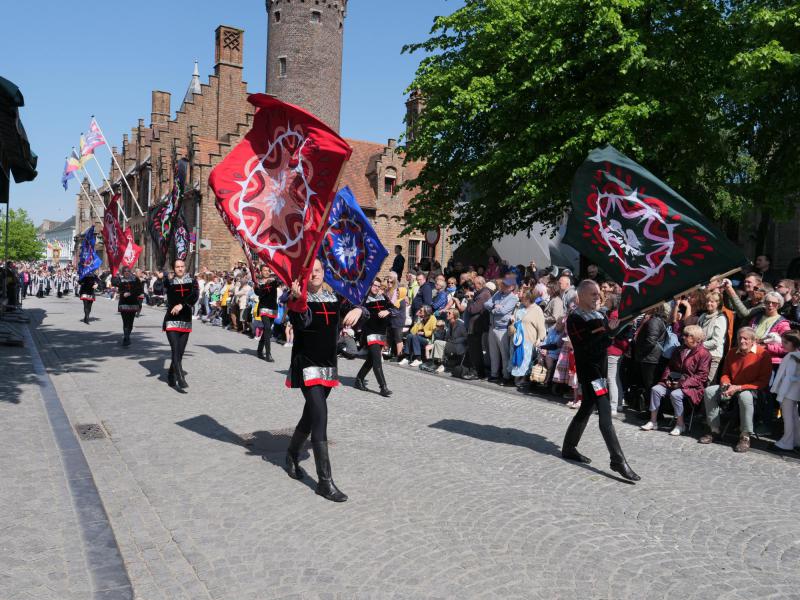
[456, 490]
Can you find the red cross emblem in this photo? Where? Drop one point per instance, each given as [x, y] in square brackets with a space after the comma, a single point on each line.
[325, 312]
[378, 306]
[182, 290]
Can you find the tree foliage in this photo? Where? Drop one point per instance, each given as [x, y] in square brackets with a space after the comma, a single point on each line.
[23, 243]
[517, 93]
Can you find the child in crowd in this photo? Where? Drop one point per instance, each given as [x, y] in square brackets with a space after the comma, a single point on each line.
[787, 386]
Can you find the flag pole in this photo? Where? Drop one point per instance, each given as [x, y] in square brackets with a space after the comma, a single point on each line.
[89, 198]
[92, 185]
[122, 173]
[110, 188]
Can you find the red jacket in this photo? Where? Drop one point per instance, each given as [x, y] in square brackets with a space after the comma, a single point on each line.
[694, 371]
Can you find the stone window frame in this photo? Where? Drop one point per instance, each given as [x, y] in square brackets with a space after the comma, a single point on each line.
[283, 67]
[316, 17]
[390, 181]
[277, 16]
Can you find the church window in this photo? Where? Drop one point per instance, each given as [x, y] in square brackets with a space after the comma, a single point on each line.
[282, 66]
[277, 16]
[316, 16]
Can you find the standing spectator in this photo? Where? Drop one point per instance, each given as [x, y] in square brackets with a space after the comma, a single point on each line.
[501, 307]
[787, 388]
[763, 265]
[684, 378]
[478, 325]
[532, 330]
[554, 309]
[745, 371]
[616, 352]
[399, 262]
[424, 294]
[398, 297]
[791, 303]
[647, 349]
[567, 291]
[714, 324]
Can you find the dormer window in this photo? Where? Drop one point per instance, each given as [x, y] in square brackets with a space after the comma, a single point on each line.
[390, 182]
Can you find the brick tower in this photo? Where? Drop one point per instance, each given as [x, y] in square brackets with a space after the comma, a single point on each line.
[304, 54]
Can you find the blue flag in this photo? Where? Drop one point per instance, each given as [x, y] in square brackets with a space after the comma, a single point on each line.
[88, 260]
[350, 250]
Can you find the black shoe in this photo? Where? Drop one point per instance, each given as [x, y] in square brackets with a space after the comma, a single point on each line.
[493, 379]
[507, 383]
[470, 377]
[171, 377]
[260, 355]
[268, 358]
[325, 486]
[293, 454]
[126, 341]
[625, 470]
[86, 320]
[385, 392]
[573, 454]
[360, 384]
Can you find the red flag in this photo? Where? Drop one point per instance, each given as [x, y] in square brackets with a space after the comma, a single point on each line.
[113, 236]
[132, 251]
[275, 188]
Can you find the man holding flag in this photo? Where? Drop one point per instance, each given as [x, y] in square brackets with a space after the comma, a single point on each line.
[649, 239]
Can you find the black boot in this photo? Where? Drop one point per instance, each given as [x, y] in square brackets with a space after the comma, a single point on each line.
[268, 357]
[360, 384]
[179, 377]
[573, 454]
[293, 454]
[385, 391]
[325, 486]
[126, 338]
[171, 376]
[624, 469]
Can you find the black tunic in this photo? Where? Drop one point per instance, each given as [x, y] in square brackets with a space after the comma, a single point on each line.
[86, 287]
[183, 291]
[374, 330]
[267, 293]
[316, 330]
[132, 285]
[589, 334]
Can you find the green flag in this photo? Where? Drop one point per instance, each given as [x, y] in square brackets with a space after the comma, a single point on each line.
[642, 233]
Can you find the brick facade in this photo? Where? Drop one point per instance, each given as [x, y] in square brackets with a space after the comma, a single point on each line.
[205, 128]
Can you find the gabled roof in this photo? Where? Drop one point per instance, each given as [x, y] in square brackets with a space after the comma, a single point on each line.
[356, 171]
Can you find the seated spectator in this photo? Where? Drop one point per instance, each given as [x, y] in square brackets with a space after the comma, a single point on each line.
[684, 378]
[419, 337]
[454, 344]
[787, 387]
[647, 345]
[715, 327]
[746, 370]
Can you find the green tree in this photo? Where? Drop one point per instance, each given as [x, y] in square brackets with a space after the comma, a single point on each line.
[23, 243]
[765, 88]
[517, 93]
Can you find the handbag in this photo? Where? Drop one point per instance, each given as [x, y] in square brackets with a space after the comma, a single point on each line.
[538, 372]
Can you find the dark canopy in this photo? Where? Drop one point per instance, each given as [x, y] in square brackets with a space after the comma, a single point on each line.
[16, 156]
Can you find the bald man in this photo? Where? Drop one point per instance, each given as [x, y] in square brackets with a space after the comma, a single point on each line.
[589, 331]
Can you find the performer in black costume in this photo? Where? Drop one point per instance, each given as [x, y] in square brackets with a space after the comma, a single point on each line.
[373, 337]
[267, 291]
[181, 293]
[589, 332]
[313, 370]
[87, 286]
[131, 293]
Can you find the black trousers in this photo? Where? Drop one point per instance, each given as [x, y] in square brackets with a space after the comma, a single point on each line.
[581, 418]
[87, 308]
[315, 412]
[127, 321]
[265, 342]
[475, 347]
[177, 344]
[375, 362]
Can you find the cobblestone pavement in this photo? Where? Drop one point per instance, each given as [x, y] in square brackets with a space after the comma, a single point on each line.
[456, 490]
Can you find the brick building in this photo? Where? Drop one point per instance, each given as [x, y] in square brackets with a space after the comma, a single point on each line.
[214, 116]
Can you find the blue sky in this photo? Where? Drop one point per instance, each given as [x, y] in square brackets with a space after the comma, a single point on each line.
[75, 59]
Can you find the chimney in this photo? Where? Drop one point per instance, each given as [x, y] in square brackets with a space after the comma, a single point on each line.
[392, 143]
[414, 106]
[160, 111]
[228, 47]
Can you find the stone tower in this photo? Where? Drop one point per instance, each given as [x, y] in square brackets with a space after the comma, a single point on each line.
[304, 54]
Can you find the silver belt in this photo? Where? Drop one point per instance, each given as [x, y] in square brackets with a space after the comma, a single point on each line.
[376, 338]
[179, 325]
[323, 373]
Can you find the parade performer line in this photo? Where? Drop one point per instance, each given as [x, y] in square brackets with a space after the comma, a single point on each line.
[122, 173]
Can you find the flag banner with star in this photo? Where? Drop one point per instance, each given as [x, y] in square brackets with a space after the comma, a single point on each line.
[642, 233]
[350, 250]
[276, 186]
[88, 260]
[113, 236]
[161, 216]
[132, 250]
